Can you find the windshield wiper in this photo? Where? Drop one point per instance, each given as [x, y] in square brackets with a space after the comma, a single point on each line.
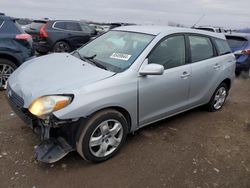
[93, 61]
[79, 55]
[90, 57]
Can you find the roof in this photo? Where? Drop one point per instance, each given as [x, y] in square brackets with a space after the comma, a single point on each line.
[156, 30]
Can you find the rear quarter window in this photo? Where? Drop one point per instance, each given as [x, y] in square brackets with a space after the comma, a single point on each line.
[222, 46]
[86, 28]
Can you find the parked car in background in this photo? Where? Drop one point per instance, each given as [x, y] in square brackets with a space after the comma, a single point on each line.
[246, 30]
[240, 45]
[99, 29]
[121, 81]
[212, 29]
[15, 47]
[108, 26]
[59, 35]
[23, 22]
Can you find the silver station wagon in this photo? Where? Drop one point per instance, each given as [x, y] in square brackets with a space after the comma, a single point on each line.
[89, 100]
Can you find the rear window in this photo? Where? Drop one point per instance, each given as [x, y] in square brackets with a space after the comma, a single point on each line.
[236, 42]
[201, 48]
[1, 23]
[9, 27]
[23, 21]
[36, 25]
[222, 46]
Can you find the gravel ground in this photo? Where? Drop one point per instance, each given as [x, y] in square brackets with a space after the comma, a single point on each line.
[194, 149]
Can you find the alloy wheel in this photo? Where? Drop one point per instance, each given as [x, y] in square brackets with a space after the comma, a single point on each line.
[106, 138]
[5, 72]
[62, 47]
[220, 98]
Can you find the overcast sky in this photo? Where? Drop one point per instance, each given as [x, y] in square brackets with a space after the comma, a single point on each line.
[225, 13]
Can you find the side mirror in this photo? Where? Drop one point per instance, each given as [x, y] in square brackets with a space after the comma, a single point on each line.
[151, 69]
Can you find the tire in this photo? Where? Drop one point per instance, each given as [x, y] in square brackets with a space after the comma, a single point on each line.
[245, 74]
[61, 47]
[41, 52]
[107, 136]
[214, 103]
[7, 67]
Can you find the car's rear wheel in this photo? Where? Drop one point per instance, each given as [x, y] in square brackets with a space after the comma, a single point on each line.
[61, 46]
[245, 74]
[218, 99]
[102, 136]
[41, 52]
[7, 67]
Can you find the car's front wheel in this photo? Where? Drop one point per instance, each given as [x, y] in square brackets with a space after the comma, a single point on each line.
[102, 136]
[218, 99]
[7, 67]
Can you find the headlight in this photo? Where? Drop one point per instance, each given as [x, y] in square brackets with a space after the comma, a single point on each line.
[47, 104]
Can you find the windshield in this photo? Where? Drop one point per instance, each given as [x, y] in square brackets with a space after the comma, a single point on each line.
[116, 50]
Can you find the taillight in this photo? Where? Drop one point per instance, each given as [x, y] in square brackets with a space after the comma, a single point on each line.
[246, 52]
[23, 36]
[43, 33]
[242, 52]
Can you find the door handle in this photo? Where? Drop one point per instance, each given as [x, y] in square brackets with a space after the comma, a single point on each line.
[185, 74]
[216, 66]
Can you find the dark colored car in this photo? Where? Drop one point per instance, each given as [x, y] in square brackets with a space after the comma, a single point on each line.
[23, 22]
[59, 35]
[240, 45]
[15, 47]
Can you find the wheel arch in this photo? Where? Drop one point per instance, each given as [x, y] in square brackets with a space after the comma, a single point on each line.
[11, 58]
[227, 81]
[122, 110]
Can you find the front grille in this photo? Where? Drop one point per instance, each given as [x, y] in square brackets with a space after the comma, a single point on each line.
[14, 98]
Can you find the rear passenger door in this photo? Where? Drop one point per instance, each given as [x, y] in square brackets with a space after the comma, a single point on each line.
[205, 67]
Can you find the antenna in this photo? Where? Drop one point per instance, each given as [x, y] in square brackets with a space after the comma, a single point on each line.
[198, 20]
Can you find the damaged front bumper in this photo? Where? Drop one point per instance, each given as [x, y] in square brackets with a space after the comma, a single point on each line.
[58, 137]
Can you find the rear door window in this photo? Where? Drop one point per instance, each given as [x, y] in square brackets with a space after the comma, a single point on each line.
[236, 42]
[60, 25]
[201, 48]
[73, 26]
[222, 46]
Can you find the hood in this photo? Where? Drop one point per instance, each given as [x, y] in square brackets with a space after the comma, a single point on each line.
[53, 74]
